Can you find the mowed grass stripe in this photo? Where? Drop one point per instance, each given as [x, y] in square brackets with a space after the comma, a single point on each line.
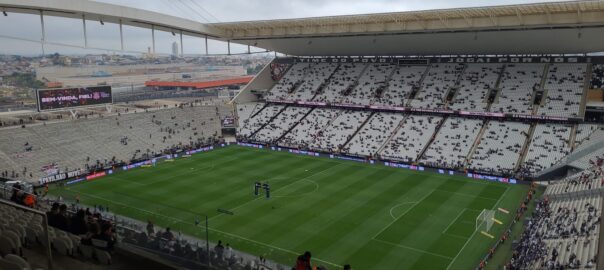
[364, 214]
[451, 244]
[319, 206]
[336, 221]
[336, 209]
[212, 194]
[239, 181]
[213, 182]
[285, 219]
[243, 193]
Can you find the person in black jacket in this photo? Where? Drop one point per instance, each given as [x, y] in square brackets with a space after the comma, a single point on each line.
[52, 215]
[62, 222]
[78, 223]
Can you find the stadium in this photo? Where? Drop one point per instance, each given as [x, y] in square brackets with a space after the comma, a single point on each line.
[464, 138]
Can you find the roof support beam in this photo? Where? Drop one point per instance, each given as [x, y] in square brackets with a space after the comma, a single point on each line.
[421, 22]
[468, 21]
[493, 18]
[519, 15]
[444, 21]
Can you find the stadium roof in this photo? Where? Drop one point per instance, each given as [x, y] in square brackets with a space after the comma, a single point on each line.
[556, 27]
[542, 28]
[201, 85]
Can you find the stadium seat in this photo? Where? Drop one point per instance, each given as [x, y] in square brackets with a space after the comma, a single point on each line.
[7, 245]
[87, 251]
[103, 256]
[62, 246]
[17, 260]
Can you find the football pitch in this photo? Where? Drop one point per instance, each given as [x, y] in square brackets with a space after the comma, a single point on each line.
[344, 212]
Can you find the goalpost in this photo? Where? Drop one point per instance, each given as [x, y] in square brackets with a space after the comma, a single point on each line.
[485, 220]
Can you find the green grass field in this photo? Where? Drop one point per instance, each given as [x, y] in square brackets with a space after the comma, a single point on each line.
[370, 216]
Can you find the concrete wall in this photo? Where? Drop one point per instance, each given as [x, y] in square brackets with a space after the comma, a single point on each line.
[261, 81]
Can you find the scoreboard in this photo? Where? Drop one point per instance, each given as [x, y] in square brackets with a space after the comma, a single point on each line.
[66, 98]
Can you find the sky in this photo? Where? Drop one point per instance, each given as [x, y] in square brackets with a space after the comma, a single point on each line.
[21, 33]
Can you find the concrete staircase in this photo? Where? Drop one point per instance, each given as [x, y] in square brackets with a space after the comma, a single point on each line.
[419, 86]
[357, 131]
[294, 126]
[355, 83]
[421, 154]
[267, 122]
[541, 87]
[485, 124]
[380, 91]
[525, 147]
[321, 87]
[455, 86]
[399, 126]
[586, 86]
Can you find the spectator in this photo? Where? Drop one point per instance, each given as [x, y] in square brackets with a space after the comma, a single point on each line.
[303, 262]
[219, 249]
[62, 222]
[228, 251]
[150, 228]
[107, 236]
[78, 223]
[53, 214]
[168, 235]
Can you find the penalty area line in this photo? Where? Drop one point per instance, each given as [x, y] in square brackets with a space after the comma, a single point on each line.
[404, 213]
[475, 231]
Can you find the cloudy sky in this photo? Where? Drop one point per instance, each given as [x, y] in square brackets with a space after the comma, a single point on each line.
[20, 34]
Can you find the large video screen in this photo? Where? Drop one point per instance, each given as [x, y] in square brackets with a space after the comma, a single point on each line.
[56, 99]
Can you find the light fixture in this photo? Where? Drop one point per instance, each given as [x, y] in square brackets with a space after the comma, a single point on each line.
[174, 34]
[4, 12]
[102, 23]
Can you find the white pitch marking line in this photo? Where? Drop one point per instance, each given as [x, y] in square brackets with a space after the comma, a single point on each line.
[211, 229]
[414, 249]
[475, 231]
[394, 207]
[301, 179]
[458, 215]
[404, 213]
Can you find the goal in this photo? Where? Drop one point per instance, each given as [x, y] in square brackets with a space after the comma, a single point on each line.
[485, 220]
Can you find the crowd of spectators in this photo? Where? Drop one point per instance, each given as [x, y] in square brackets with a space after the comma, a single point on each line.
[563, 230]
[91, 227]
[597, 77]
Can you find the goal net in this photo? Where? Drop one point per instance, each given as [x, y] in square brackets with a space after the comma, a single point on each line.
[485, 220]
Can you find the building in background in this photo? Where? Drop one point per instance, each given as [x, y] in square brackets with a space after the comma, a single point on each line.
[175, 48]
